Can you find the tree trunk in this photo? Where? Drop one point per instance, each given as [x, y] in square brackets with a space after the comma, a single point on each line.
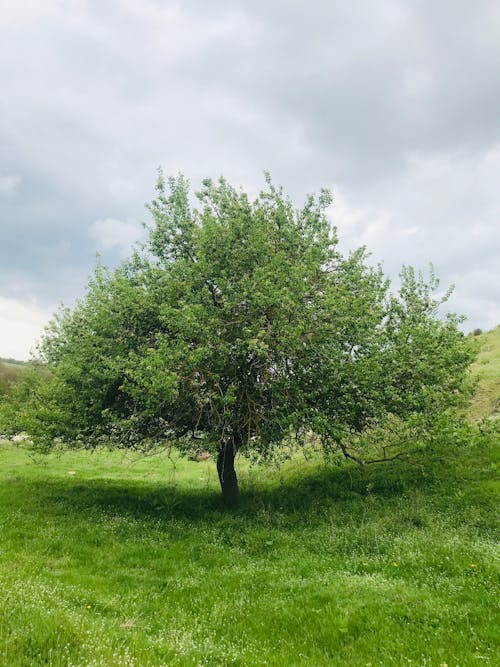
[227, 474]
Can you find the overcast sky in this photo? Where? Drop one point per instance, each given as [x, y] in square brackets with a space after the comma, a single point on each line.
[394, 105]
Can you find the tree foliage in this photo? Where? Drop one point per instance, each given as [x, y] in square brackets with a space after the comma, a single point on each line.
[240, 323]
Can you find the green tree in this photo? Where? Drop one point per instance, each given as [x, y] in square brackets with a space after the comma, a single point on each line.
[240, 324]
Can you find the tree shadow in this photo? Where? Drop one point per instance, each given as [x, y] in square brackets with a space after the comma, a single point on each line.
[328, 484]
[308, 490]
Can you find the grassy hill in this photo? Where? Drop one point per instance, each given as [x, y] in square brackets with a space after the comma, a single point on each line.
[486, 370]
[10, 371]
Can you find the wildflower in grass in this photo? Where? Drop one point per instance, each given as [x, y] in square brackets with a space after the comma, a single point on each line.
[394, 564]
[473, 565]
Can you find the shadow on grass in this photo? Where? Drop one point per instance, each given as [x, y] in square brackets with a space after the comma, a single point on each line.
[307, 490]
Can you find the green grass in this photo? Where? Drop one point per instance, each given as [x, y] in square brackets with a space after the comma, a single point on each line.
[487, 371]
[10, 371]
[138, 564]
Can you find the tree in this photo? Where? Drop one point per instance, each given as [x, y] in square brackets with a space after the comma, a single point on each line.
[240, 324]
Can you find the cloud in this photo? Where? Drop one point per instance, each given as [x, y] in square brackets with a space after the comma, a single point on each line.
[443, 209]
[476, 294]
[21, 325]
[110, 234]
[8, 184]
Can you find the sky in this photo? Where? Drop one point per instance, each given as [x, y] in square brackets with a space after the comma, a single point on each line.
[394, 105]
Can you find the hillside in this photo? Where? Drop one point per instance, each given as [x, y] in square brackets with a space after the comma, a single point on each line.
[10, 370]
[12, 362]
[486, 370]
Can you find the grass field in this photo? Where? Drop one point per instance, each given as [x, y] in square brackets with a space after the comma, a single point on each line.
[110, 561]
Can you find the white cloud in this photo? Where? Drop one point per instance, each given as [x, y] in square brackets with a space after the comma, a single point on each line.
[442, 209]
[21, 325]
[9, 183]
[28, 10]
[418, 83]
[477, 294]
[112, 234]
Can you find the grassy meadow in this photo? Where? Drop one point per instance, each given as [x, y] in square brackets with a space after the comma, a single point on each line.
[111, 560]
[486, 369]
[10, 371]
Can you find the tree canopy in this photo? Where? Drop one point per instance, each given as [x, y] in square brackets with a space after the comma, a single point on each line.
[240, 324]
